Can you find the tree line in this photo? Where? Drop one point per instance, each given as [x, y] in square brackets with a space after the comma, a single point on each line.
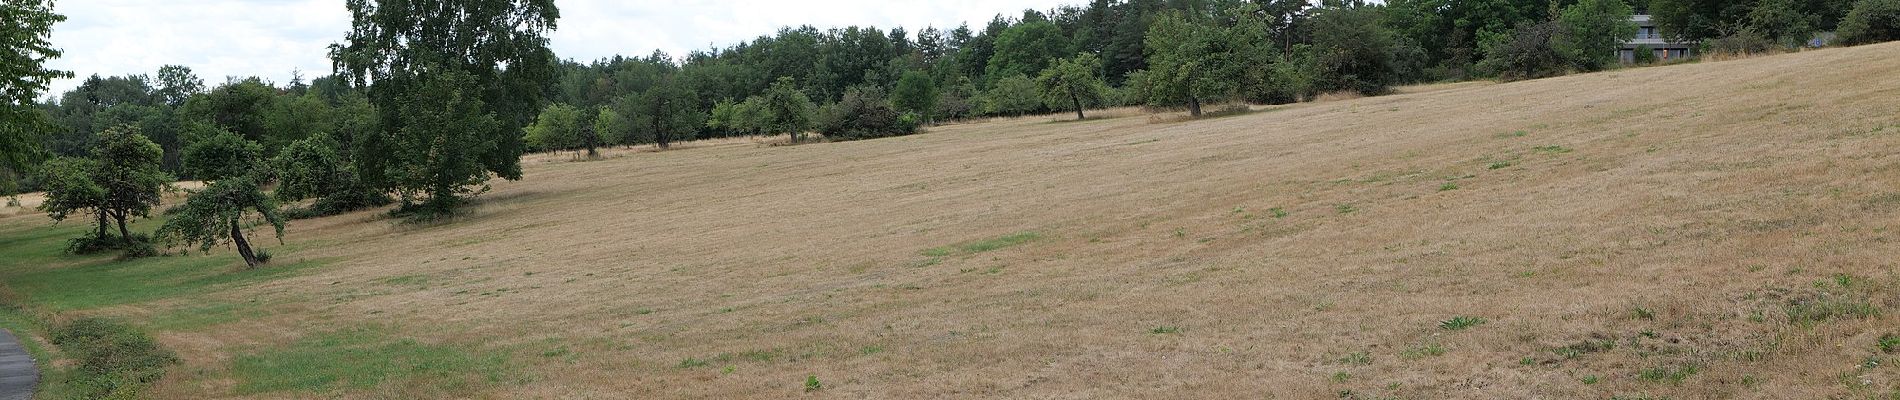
[424, 106]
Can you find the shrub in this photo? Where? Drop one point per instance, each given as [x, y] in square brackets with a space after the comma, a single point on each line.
[1524, 53]
[1746, 41]
[112, 359]
[864, 114]
[1645, 55]
[140, 247]
[93, 243]
[1871, 21]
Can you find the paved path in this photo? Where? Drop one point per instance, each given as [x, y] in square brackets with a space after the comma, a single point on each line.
[18, 375]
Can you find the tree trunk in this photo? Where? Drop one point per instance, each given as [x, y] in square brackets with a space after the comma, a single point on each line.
[125, 234]
[1194, 106]
[593, 141]
[243, 247]
[659, 136]
[102, 224]
[1077, 100]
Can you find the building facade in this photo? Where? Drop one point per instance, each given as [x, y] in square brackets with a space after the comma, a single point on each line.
[1649, 39]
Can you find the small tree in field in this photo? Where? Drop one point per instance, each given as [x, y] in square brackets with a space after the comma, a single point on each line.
[784, 109]
[444, 133]
[611, 128]
[1071, 81]
[915, 93]
[216, 215]
[558, 128]
[668, 112]
[128, 171]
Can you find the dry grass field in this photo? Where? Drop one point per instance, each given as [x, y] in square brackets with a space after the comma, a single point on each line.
[1712, 230]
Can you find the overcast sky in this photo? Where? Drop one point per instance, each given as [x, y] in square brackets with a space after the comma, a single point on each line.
[271, 38]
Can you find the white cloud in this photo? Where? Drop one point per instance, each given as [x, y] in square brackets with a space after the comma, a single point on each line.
[271, 38]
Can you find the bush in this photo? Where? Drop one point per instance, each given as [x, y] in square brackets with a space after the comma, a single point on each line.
[864, 114]
[1524, 53]
[141, 247]
[1746, 41]
[112, 359]
[1645, 55]
[1871, 21]
[93, 243]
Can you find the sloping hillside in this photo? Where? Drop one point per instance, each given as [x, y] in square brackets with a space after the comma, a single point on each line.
[1705, 230]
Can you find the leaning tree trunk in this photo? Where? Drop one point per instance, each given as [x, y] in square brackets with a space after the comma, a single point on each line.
[243, 246]
[123, 232]
[1194, 106]
[1077, 100]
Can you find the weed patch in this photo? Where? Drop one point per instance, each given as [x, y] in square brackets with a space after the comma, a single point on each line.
[113, 360]
[1460, 323]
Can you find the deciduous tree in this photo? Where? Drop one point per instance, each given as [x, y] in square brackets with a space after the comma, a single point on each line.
[473, 72]
[216, 215]
[24, 51]
[129, 174]
[1072, 81]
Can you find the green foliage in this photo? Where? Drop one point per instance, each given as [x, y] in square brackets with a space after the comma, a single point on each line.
[128, 171]
[1353, 50]
[176, 85]
[1645, 55]
[958, 101]
[24, 52]
[240, 107]
[1027, 48]
[217, 214]
[443, 136]
[1871, 21]
[1072, 84]
[1782, 21]
[112, 360]
[222, 155]
[915, 93]
[1746, 41]
[668, 112]
[1012, 95]
[864, 114]
[311, 168]
[812, 384]
[1591, 31]
[558, 128]
[1524, 53]
[70, 189]
[455, 83]
[1888, 343]
[612, 128]
[1193, 60]
[783, 110]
